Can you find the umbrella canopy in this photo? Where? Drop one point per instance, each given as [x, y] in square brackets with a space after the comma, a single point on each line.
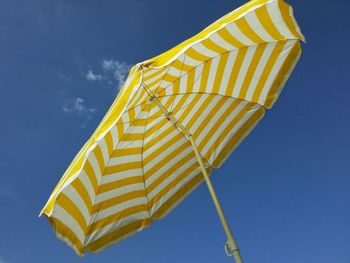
[200, 98]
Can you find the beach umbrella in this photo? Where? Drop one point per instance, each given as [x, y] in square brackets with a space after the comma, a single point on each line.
[178, 116]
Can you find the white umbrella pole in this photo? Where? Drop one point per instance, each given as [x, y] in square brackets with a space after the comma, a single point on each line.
[231, 247]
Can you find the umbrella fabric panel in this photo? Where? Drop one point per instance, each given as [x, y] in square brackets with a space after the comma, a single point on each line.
[256, 22]
[115, 111]
[138, 166]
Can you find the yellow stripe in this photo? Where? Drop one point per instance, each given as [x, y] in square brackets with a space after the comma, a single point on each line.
[184, 97]
[267, 70]
[116, 217]
[194, 118]
[181, 65]
[220, 72]
[67, 204]
[168, 173]
[122, 167]
[117, 234]
[156, 153]
[251, 70]
[191, 52]
[205, 75]
[66, 234]
[91, 175]
[99, 157]
[177, 196]
[226, 35]
[178, 180]
[126, 151]
[83, 193]
[166, 56]
[214, 126]
[264, 17]
[226, 131]
[241, 53]
[132, 137]
[190, 80]
[244, 26]
[117, 200]
[209, 117]
[155, 129]
[131, 113]
[120, 183]
[210, 44]
[166, 160]
[109, 142]
[242, 132]
[152, 75]
[288, 19]
[120, 128]
[169, 78]
[282, 74]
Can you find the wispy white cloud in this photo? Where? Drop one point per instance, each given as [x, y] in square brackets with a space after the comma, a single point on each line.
[77, 105]
[118, 69]
[92, 76]
[114, 72]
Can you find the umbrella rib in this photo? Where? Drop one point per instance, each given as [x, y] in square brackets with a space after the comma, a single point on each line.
[178, 125]
[142, 161]
[89, 223]
[228, 51]
[182, 66]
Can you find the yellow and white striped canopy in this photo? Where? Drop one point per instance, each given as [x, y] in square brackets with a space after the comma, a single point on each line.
[137, 166]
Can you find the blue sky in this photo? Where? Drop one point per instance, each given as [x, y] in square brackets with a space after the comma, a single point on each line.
[286, 190]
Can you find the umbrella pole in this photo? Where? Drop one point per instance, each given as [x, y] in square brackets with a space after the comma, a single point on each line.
[231, 247]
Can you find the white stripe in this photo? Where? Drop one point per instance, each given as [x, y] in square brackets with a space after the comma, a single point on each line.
[173, 191]
[276, 16]
[118, 208]
[115, 225]
[192, 62]
[114, 133]
[212, 74]
[173, 177]
[121, 175]
[169, 151]
[94, 164]
[243, 70]
[154, 136]
[129, 144]
[197, 78]
[87, 184]
[187, 116]
[104, 150]
[75, 197]
[124, 159]
[183, 83]
[69, 221]
[237, 34]
[219, 130]
[255, 24]
[235, 129]
[118, 192]
[227, 72]
[168, 165]
[260, 68]
[274, 72]
[200, 48]
[217, 115]
[222, 42]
